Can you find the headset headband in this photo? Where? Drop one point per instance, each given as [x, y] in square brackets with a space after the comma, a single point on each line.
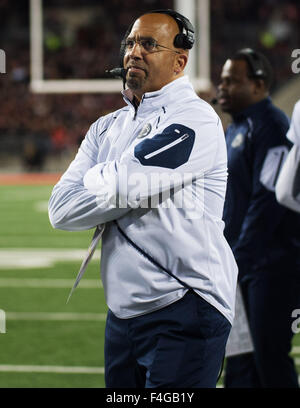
[186, 38]
[254, 61]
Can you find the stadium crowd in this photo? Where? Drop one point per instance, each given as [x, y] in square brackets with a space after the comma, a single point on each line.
[81, 41]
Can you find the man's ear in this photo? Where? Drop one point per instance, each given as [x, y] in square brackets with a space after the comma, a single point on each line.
[180, 63]
[260, 87]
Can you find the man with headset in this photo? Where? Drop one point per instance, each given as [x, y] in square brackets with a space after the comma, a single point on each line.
[264, 235]
[154, 172]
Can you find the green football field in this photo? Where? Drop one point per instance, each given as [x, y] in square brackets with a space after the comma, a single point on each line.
[47, 343]
[44, 341]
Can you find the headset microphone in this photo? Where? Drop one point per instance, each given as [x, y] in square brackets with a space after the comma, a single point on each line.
[214, 101]
[117, 72]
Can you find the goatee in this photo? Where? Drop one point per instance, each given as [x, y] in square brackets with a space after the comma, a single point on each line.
[133, 83]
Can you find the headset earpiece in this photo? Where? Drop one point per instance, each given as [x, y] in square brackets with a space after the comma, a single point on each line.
[182, 41]
[185, 39]
[254, 61]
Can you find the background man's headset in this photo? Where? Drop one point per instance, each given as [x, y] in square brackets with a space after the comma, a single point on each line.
[185, 39]
[257, 69]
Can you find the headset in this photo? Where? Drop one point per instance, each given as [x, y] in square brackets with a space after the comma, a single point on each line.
[254, 61]
[185, 39]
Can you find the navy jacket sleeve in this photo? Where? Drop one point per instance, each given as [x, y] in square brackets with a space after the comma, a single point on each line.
[268, 148]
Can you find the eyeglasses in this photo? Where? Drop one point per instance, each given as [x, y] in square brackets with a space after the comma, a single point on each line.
[148, 44]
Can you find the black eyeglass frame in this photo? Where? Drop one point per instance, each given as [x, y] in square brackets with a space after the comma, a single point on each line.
[153, 44]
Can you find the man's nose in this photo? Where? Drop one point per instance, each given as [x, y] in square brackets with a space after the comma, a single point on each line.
[136, 51]
[221, 86]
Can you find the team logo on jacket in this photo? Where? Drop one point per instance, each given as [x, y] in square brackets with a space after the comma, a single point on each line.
[238, 140]
[145, 131]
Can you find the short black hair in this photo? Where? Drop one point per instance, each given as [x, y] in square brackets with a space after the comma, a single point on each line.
[259, 66]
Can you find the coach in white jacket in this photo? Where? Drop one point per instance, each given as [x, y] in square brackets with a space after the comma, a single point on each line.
[155, 174]
[288, 184]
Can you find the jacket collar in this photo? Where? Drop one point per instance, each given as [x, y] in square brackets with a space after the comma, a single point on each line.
[253, 110]
[157, 99]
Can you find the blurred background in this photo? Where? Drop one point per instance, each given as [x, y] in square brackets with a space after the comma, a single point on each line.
[43, 341]
[81, 38]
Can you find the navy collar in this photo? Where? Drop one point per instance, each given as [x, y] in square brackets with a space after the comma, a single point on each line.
[253, 110]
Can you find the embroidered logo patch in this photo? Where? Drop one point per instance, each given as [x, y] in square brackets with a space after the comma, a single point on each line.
[238, 140]
[145, 131]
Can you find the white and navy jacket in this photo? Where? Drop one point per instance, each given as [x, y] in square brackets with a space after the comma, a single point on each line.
[156, 177]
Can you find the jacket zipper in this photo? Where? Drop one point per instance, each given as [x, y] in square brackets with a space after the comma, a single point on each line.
[150, 259]
[168, 146]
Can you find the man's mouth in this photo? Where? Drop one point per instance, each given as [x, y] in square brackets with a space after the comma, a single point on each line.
[135, 69]
[223, 99]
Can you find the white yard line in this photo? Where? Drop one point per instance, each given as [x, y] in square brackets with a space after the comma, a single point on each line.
[101, 317]
[296, 350]
[40, 257]
[50, 369]
[41, 206]
[48, 283]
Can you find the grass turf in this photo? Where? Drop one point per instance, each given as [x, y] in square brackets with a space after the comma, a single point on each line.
[24, 224]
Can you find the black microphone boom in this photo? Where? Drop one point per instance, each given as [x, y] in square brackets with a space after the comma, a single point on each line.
[117, 73]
